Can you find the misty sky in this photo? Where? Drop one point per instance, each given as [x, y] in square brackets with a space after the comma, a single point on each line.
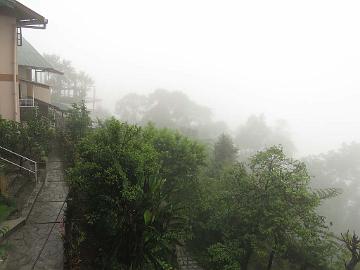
[292, 60]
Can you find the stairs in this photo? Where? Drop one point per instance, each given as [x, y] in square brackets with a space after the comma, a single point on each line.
[19, 161]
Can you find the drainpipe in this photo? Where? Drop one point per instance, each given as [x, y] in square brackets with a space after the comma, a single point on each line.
[16, 101]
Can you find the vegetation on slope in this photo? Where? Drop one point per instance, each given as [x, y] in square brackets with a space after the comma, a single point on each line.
[137, 192]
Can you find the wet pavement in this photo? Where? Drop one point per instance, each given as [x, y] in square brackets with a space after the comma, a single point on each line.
[38, 244]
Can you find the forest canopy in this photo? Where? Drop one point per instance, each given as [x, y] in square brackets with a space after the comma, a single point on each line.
[172, 110]
[162, 189]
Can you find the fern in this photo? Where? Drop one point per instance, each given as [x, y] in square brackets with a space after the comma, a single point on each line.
[327, 193]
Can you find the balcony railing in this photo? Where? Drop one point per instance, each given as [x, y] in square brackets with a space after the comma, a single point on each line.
[26, 102]
[31, 91]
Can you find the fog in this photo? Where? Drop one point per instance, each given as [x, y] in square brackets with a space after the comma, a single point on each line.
[293, 60]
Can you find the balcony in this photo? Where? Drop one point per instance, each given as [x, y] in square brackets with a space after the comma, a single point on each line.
[30, 91]
[27, 102]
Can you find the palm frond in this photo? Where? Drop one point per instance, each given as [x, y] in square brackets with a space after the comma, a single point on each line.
[327, 193]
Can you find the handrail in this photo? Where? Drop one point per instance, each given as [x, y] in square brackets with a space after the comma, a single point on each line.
[35, 171]
[26, 102]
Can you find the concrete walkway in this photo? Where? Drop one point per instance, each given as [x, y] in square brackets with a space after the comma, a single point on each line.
[38, 244]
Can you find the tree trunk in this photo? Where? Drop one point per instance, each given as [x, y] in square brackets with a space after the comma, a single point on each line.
[271, 258]
[352, 264]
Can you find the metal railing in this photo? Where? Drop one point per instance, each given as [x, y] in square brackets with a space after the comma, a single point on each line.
[26, 102]
[34, 163]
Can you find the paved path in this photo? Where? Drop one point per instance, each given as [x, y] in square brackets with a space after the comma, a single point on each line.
[38, 244]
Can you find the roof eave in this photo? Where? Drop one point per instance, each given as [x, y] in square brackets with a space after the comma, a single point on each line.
[51, 70]
[25, 17]
[32, 23]
[33, 20]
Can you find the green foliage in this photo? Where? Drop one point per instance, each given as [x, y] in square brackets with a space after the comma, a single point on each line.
[180, 159]
[327, 193]
[137, 191]
[225, 153]
[124, 189]
[5, 211]
[30, 138]
[35, 136]
[224, 150]
[9, 133]
[77, 124]
[263, 209]
[321, 252]
[352, 244]
[6, 208]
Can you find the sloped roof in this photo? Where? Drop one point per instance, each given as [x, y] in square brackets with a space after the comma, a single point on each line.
[25, 17]
[28, 56]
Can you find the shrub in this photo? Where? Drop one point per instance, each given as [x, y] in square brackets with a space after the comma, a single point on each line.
[77, 124]
[31, 138]
[119, 193]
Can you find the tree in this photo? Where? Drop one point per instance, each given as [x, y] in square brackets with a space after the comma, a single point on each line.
[257, 135]
[171, 110]
[77, 124]
[258, 212]
[125, 188]
[131, 108]
[181, 160]
[352, 244]
[341, 169]
[115, 174]
[224, 151]
[322, 252]
[73, 86]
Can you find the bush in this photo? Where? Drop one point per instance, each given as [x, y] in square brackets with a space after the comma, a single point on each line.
[77, 124]
[123, 196]
[31, 138]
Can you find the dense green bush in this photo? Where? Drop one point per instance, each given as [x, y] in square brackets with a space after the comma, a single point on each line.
[125, 188]
[31, 138]
[77, 123]
[180, 160]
